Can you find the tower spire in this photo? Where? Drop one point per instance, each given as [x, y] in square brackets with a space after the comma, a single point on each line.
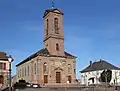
[53, 4]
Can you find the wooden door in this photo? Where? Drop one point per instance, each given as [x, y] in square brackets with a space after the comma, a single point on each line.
[45, 78]
[69, 79]
[58, 77]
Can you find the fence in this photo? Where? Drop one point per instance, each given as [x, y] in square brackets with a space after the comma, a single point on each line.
[69, 89]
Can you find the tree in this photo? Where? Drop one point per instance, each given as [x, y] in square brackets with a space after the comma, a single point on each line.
[106, 76]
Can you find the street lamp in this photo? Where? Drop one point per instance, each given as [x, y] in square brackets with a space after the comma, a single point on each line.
[10, 61]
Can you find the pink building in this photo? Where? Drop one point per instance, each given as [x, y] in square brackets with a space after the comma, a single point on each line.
[4, 69]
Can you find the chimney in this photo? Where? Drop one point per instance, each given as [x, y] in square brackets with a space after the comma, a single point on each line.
[101, 60]
[90, 63]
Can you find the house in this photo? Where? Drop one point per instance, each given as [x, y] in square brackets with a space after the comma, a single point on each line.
[4, 69]
[91, 74]
[51, 64]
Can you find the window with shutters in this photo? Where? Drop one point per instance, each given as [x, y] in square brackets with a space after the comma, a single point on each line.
[0, 65]
[4, 66]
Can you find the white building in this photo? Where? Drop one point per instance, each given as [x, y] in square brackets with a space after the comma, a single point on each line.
[91, 74]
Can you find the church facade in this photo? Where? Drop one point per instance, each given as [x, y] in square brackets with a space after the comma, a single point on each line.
[50, 65]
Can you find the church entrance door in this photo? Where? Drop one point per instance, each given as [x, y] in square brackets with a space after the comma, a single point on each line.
[58, 77]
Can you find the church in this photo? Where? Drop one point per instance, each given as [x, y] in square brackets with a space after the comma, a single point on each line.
[50, 65]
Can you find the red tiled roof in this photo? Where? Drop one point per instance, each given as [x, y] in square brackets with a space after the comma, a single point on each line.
[52, 10]
[44, 52]
[3, 56]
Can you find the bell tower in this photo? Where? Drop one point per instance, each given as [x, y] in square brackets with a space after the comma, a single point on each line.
[53, 32]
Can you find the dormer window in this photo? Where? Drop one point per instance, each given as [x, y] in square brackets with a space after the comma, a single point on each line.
[56, 25]
[57, 47]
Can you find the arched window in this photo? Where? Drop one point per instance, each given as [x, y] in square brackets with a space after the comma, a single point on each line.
[35, 68]
[47, 27]
[69, 68]
[56, 25]
[22, 72]
[57, 47]
[18, 73]
[25, 71]
[45, 67]
[28, 70]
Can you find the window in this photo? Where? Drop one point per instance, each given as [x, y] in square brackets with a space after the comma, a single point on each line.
[18, 73]
[56, 25]
[0, 65]
[28, 70]
[74, 71]
[4, 66]
[57, 47]
[69, 68]
[47, 27]
[25, 71]
[22, 72]
[35, 68]
[45, 67]
[69, 79]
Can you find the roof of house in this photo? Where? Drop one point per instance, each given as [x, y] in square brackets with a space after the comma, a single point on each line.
[3, 56]
[52, 10]
[44, 52]
[100, 65]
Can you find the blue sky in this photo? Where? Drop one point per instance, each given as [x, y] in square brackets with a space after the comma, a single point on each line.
[92, 29]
